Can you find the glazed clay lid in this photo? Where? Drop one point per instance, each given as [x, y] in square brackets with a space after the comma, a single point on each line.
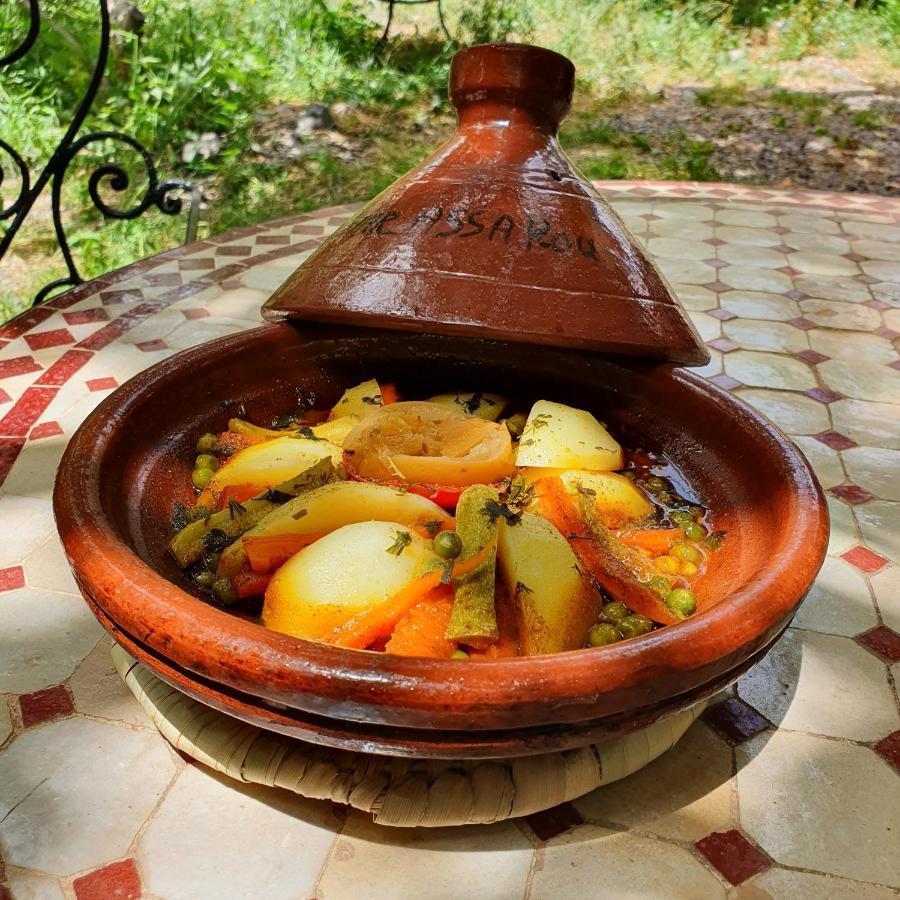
[496, 234]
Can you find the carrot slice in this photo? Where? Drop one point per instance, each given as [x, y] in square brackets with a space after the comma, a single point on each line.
[656, 541]
[250, 584]
[421, 632]
[605, 558]
[268, 551]
[376, 623]
[240, 493]
[389, 394]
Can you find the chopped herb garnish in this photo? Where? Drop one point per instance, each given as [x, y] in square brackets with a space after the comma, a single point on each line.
[588, 492]
[539, 421]
[447, 574]
[287, 421]
[522, 588]
[181, 518]
[299, 514]
[373, 401]
[308, 433]
[494, 510]
[215, 540]
[235, 508]
[714, 540]
[474, 402]
[274, 496]
[526, 443]
[402, 541]
[433, 526]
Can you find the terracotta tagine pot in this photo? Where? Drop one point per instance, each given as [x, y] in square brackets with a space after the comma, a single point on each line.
[493, 265]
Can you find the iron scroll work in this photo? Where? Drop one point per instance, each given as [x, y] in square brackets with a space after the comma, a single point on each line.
[161, 194]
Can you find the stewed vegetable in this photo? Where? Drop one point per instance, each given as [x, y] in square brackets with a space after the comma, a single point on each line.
[462, 527]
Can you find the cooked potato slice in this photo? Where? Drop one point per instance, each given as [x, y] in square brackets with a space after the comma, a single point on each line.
[266, 464]
[619, 501]
[352, 569]
[555, 605]
[359, 401]
[562, 437]
[334, 431]
[484, 406]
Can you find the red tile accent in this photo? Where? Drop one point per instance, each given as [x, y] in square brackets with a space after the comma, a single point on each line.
[232, 284]
[889, 748]
[867, 279]
[64, 368]
[835, 440]
[801, 323]
[851, 493]
[9, 451]
[733, 855]
[716, 263]
[319, 230]
[4, 397]
[895, 364]
[26, 411]
[735, 719]
[784, 248]
[226, 272]
[717, 286]
[550, 822]
[86, 316]
[18, 365]
[877, 304]
[234, 250]
[864, 559]
[275, 238]
[101, 384]
[812, 356]
[795, 295]
[6, 893]
[117, 881]
[724, 314]
[888, 333]
[108, 298]
[44, 339]
[197, 264]
[162, 279]
[823, 395]
[20, 324]
[723, 344]
[788, 270]
[45, 430]
[41, 706]
[883, 641]
[726, 381]
[12, 579]
[150, 346]
[196, 313]
[716, 242]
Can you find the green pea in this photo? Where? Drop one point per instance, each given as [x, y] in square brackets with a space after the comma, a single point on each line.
[459, 654]
[682, 601]
[447, 544]
[660, 585]
[201, 477]
[205, 578]
[633, 625]
[696, 512]
[614, 611]
[224, 591]
[664, 497]
[206, 461]
[681, 517]
[207, 442]
[655, 483]
[603, 633]
[694, 532]
[211, 560]
[687, 553]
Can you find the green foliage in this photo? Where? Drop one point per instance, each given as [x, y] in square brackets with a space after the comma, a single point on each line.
[494, 20]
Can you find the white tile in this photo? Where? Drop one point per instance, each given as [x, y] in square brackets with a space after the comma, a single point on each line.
[825, 288]
[861, 379]
[370, 860]
[43, 637]
[777, 336]
[769, 370]
[33, 525]
[749, 278]
[74, 793]
[760, 305]
[886, 585]
[820, 804]
[852, 345]
[593, 862]
[844, 531]
[793, 412]
[33, 886]
[697, 799]
[214, 838]
[826, 462]
[34, 471]
[822, 684]
[838, 314]
[875, 469]
[98, 690]
[838, 602]
[879, 522]
[784, 884]
[48, 569]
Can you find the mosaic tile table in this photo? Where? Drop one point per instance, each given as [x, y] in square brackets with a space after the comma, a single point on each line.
[788, 787]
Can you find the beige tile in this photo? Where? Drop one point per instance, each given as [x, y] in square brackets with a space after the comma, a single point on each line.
[844, 531]
[879, 522]
[708, 326]
[861, 379]
[238, 303]
[43, 637]
[826, 462]
[872, 424]
[34, 472]
[838, 602]
[846, 289]
[696, 298]
[886, 585]
[745, 218]
[713, 367]
[745, 255]
[760, 305]
[822, 263]
[852, 345]
[837, 314]
[815, 243]
[74, 793]
[33, 886]
[769, 370]
[778, 336]
[886, 292]
[268, 277]
[882, 270]
[794, 413]
[808, 224]
[675, 228]
[784, 884]
[748, 278]
[883, 250]
[48, 569]
[6, 728]
[696, 802]
[197, 331]
[99, 691]
[625, 208]
[824, 684]
[607, 865]
[891, 318]
[215, 838]
[747, 237]
[369, 860]
[875, 231]
[875, 469]
[820, 804]
[687, 271]
[680, 248]
[683, 209]
[34, 524]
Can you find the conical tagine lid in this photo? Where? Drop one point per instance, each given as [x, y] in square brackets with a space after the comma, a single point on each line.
[496, 235]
